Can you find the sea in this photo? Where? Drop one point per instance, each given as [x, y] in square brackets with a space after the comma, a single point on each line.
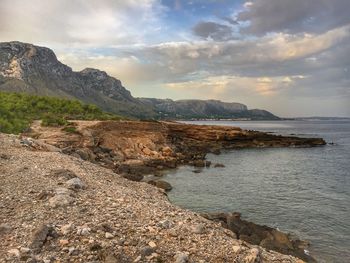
[302, 191]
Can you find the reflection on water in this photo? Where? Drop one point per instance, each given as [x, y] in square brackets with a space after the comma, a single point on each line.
[304, 191]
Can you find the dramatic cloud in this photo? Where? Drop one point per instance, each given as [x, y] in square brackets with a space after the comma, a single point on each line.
[214, 31]
[89, 22]
[294, 16]
[288, 56]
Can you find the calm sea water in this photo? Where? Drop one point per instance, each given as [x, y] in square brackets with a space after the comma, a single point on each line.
[304, 191]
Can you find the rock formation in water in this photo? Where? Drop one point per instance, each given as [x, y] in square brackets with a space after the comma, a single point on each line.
[32, 69]
[136, 148]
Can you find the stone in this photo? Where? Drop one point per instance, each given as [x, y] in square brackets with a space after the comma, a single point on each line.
[5, 229]
[253, 256]
[152, 244]
[14, 253]
[219, 165]
[75, 183]
[64, 242]
[66, 229]
[161, 184]
[83, 231]
[167, 151]
[83, 154]
[281, 239]
[198, 229]
[63, 173]
[181, 257]
[146, 251]
[60, 200]
[25, 250]
[109, 235]
[199, 163]
[40, 236]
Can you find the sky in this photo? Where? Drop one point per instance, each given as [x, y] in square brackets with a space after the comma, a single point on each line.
[291, 57]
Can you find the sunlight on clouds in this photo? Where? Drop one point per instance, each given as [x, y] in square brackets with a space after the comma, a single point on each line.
[219, 86]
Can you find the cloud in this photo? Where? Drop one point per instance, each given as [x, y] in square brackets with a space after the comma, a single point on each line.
[89, 22]
[313, 16]
[213, 31]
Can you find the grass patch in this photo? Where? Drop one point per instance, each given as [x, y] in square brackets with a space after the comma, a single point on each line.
[18, 110]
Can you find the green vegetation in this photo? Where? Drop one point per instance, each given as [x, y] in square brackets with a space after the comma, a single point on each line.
[18, 110]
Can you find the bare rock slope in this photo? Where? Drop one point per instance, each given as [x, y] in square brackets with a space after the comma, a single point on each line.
[58, 208]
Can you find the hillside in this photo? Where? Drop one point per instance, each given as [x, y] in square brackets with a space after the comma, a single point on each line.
[205, 109]
[18, 110]
[36, 70]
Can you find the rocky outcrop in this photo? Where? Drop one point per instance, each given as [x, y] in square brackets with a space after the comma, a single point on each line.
[136, 148]
[205, 109]
[110, 220]
[267, 237]
[33, 69]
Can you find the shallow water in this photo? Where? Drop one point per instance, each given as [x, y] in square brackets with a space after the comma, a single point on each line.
[305, 191]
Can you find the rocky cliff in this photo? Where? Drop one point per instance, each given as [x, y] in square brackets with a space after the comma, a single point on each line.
[32, 69]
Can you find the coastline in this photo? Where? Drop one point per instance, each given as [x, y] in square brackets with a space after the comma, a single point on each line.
[173, 144]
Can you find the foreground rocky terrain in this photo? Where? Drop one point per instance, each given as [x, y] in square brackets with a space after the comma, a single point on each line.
[60, 208]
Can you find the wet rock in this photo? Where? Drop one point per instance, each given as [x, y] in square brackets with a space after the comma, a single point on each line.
[219, 165]
[161, 184]
[133, 177]
[207, 164]
[199, 163]
[196, 171]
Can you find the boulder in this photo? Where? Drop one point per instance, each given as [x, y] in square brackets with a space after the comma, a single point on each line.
[161, 184]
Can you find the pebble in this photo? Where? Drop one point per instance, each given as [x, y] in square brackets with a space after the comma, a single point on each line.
[63, 242]
[75, 183]
[14, 252]
[181, 257]
[146, 251]
[152, 244]
[198, 229]
[109, 235]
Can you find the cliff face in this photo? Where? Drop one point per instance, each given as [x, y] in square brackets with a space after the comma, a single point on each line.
[32, 69]
[188, 109]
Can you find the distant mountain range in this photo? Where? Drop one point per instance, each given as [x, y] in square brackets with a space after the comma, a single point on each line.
[36, 70]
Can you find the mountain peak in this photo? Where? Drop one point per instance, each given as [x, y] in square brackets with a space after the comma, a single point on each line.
[33, 69]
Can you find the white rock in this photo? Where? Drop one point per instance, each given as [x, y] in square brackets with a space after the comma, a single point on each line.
[75, 183]
[14, 253]
[109, 235]
[152, 244]
[181, 257]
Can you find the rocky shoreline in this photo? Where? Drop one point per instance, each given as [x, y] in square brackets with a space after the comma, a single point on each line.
[138, 148]
[59, 208]
[134, 149]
